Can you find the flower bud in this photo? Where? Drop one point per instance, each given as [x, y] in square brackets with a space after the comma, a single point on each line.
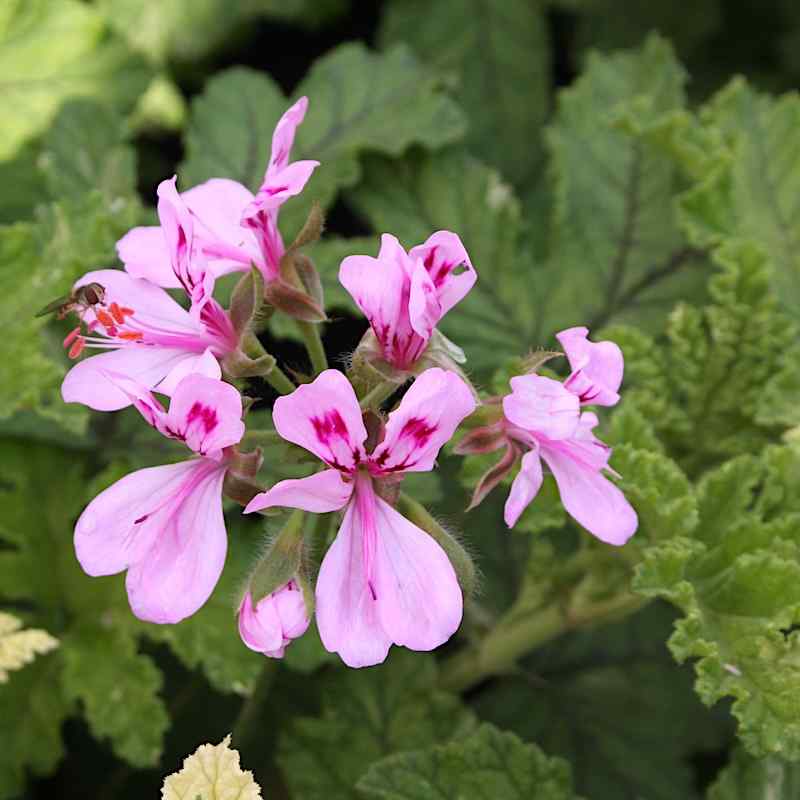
[246, 301]
[270, 625]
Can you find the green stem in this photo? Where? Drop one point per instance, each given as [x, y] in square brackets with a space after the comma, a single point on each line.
[313, 342]
[375, 396]
[248, 723]
[500, 650]
[279, 381]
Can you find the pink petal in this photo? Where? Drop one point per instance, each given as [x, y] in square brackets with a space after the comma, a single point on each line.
[418, 597]
[144, 253]
[206, 414]
[426, 419]
[260, 627]
[347, 613]
[524, 488]
[319, 493]
[447, 262]
[324, 418]
[87, 383]
[291, 607]
[180, 569]
[203, 364]
[597, 367]
[217, 207]
[381, 288]
[153, 308]
[424, 308]
[280, 186]
[189, 265]
[543, 406]
[142, 399]
[283, 137]
[118, 527]
[589, 497]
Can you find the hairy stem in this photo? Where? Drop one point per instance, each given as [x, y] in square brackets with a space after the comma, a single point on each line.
[375, 396]
[499, 651]
[279, 381]
[313, 342]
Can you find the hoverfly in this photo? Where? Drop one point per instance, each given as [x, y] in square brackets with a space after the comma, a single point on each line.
[78, 300]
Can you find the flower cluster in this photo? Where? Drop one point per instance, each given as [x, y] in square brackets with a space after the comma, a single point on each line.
[383, 580]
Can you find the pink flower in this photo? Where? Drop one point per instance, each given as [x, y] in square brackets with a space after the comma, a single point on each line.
[164, 525]
[232, 228]
[270, 625]
[383, 580]
[151, 340]
[543, 423]
[404, 295]
[597, 367]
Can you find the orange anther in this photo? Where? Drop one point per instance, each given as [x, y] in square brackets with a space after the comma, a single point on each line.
[70, 338]
[131, 336]
[116, 312]
[77, 347]
[126, 312]
[106, 320]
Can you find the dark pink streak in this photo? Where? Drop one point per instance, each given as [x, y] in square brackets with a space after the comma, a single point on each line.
[205, 414]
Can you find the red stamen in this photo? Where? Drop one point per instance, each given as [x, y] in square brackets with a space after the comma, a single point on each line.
[77, 347]
[106, 320]
[116, 312]
[70, 338]
[131, 336]
[126, 312]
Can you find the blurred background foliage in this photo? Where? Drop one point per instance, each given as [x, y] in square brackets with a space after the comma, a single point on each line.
[630, 166]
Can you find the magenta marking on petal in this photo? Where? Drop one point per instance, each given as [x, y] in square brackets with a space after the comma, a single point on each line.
[141, 519]
[207, 415]
[329, 426]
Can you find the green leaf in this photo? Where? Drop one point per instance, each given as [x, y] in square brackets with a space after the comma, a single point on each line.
[85, 149]
[21, 172]
[189, 30]
[499, 56]
[602, 700]
[39, 261]
[753, 194]
[616, 251]
[42, 491]
[53, 51]
[425, 192]
[737, 580]
[748, 778]
[359, 100]
[119, 694]
[487, 764]
[368, 714]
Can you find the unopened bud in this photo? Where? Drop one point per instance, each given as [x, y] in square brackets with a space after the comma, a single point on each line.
[293, 302]
[269, 625]
[277, 602]
[246, 300]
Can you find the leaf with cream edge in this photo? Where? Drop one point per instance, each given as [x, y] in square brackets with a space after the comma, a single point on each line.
[748, 778]
[98, 662]
[51, 52]
[212, 772]
[359, 100]
[40, 261]
[19, 647]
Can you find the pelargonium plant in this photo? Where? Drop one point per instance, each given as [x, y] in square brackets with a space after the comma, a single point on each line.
[384, 579]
